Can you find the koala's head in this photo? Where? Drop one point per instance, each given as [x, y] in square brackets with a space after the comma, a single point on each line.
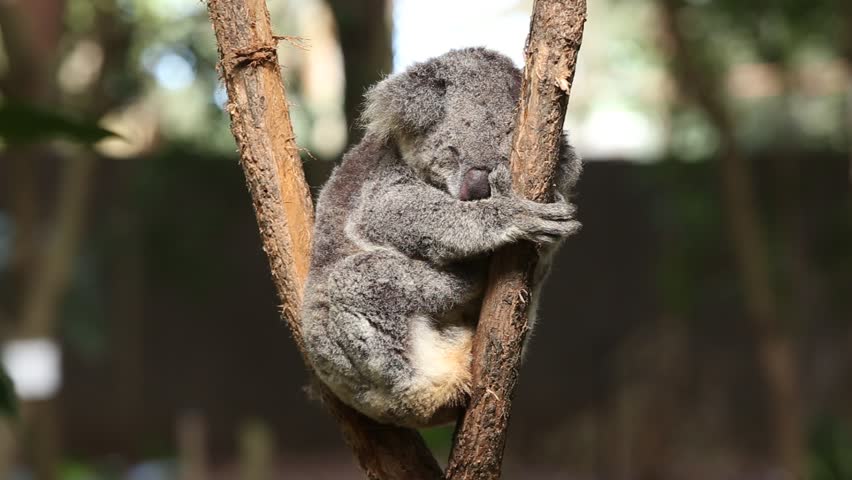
[451, 117]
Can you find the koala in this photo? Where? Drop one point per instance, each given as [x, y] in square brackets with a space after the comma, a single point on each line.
[405, 227]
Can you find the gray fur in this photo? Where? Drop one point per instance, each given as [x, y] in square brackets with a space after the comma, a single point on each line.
[396, 253]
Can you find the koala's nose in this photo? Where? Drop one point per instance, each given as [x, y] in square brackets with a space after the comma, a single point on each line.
[475, 185]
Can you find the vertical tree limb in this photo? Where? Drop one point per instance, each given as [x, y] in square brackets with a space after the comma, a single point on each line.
[53, 271]
[556, 31]
[776, 354]
[32, 32]
[260, 123]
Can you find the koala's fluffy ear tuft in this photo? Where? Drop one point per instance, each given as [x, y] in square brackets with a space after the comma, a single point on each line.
[407, 103]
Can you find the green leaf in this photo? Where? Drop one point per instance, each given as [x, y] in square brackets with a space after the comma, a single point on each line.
[22, 124]
[8, 399]
[439, 439]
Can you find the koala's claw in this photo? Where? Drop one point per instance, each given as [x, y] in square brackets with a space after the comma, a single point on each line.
[545, 240]
[559, 210]
[547, 232]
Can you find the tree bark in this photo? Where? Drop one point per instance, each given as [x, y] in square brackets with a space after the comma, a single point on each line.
[774, 348]
[556, 31]
[260, 123]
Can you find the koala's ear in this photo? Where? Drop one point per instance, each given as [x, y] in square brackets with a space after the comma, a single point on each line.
[570, 167]
[407, 103]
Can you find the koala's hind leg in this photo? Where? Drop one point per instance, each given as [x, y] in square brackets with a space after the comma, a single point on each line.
[400, 326]
[440, 354]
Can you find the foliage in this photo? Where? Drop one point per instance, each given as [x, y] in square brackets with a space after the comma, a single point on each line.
[8, 399]
[830, 450]
[22, 123]
[438, 439]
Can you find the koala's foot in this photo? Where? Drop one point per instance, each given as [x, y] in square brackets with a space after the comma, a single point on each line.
[409, 368]
[436, 388]
[439, 384]
[441, 360]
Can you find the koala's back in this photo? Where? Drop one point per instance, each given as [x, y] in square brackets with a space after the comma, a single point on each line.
[366, 338]
[338, 199]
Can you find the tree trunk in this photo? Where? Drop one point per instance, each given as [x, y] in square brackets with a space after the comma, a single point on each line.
[31, 35]
[24, 208]
[556, 31]
[42, 299]
[774, 348]
[364, 32]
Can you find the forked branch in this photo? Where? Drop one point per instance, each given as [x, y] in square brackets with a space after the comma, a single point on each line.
[269, 157]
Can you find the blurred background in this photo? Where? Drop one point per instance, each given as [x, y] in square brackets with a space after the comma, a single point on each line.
[699, 327]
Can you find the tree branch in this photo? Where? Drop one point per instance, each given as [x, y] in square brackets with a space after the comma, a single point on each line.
[774, 347]
[260, 123]
[53, 271]
[556, 31]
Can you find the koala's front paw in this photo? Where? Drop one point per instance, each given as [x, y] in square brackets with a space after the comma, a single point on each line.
[547, 223]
